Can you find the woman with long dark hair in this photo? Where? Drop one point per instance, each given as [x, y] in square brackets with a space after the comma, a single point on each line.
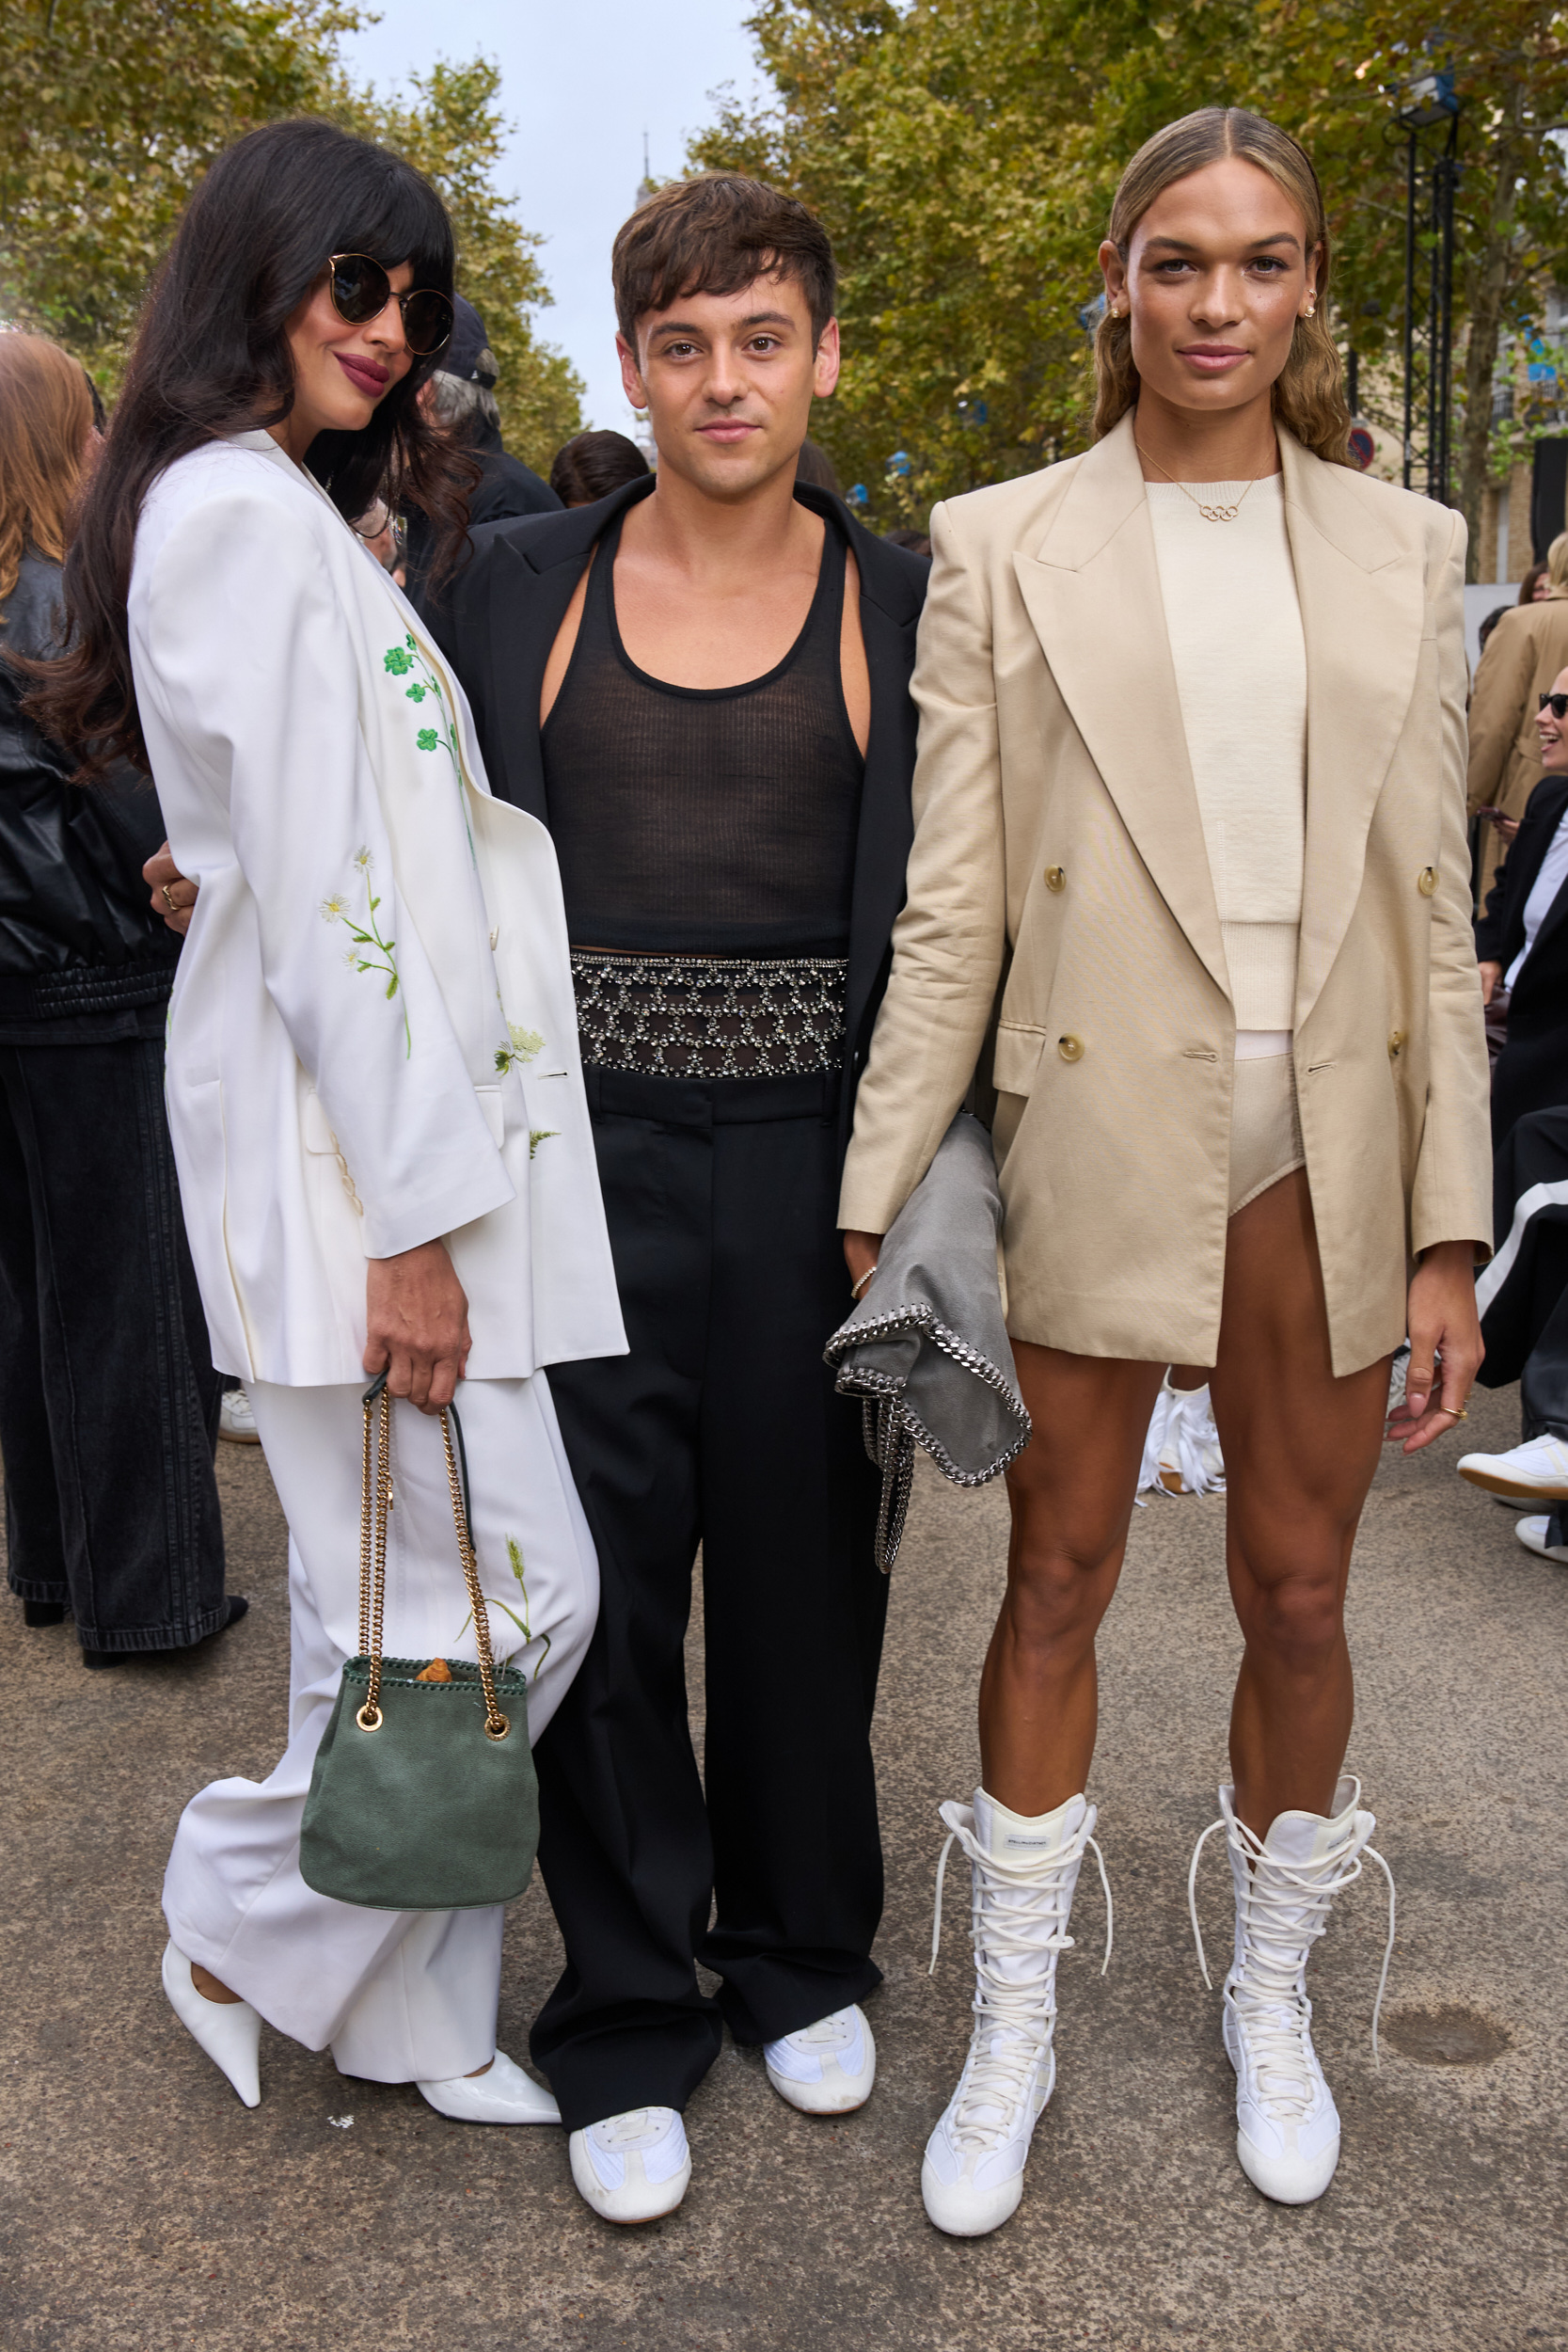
[1190, 819]
[108, 1399]
[373, 1086]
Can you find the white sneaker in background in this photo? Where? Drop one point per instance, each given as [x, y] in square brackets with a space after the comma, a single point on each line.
[825, 2068]
[1538, 1469]
[236, 1422]
[1191, 1462]
[635, 2166]
[1532, 1535]
[1149, 1469]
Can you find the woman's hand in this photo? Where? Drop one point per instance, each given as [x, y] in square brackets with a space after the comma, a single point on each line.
[1491, 975]
[1446, 1348]
[165, 879]
[860, 1255]
[416, 1325]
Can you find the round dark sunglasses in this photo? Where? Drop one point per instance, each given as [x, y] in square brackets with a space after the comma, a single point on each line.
[362, 290]
[1559, 705]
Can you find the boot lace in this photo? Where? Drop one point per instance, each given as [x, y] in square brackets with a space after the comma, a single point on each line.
[1023, 2016]
[1284, 1909]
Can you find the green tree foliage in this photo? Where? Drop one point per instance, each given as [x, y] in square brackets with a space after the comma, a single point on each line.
[964, 153]
[453, 131]
[110, 111]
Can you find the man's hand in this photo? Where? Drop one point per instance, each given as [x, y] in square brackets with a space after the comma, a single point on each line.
[1446, 1348]
[1491, 978]
[416, 1325]
[861, 1252]
[173, 893]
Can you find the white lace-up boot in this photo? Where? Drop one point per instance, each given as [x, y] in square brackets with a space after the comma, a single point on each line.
[1022, 1875]
[1287, 2123]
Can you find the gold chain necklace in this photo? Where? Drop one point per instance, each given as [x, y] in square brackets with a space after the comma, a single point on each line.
[1210, 514]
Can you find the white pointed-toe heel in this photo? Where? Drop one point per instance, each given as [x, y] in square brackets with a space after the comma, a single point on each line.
[502, 2094]
[229, 2031]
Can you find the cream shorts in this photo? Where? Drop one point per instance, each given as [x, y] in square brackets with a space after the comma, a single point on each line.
[1265, 1130]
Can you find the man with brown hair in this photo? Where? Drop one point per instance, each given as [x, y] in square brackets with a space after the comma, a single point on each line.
[700, 684]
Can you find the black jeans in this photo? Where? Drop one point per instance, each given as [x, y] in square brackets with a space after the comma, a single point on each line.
[108, 1399]
[720, 1428]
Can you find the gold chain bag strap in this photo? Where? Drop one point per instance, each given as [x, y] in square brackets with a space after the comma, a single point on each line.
[423, 1795]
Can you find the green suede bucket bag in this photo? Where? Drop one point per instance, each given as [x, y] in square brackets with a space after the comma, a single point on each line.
[423, 1796]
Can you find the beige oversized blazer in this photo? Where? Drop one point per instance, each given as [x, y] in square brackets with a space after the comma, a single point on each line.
[1059, 878]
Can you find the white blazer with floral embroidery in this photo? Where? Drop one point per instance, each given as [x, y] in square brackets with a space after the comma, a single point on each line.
[372, 1038]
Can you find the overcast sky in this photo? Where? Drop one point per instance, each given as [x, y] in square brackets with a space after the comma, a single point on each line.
[581, 81]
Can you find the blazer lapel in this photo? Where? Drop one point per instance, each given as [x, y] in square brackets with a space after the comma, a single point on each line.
[1092, 593]
[1362, 605]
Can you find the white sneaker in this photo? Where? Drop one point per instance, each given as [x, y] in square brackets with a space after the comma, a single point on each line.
[502, 2094]
[825, 2068]
[1191, 1462]
[634, 2167]
[1536, 1470]
[236, 1422]
[1532, 1535]
[1022, 1876]
[1287, 2123]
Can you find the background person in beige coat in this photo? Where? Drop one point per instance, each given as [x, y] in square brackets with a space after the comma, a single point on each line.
[1190, 817]
[1523, 656]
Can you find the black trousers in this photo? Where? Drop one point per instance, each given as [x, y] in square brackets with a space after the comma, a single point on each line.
[721, 1428]
[108, 1399]
[1525, 1324]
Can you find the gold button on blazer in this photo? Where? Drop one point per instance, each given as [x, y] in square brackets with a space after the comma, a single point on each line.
[1051, 730]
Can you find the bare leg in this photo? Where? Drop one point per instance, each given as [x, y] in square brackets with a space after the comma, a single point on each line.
[208, 1985]
[1300, 1451]
[1071, 1493]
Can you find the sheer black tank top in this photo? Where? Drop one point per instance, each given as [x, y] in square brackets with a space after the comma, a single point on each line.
[706, 821]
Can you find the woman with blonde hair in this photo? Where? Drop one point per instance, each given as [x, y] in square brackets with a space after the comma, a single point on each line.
[1190, 803]
[108, 1399]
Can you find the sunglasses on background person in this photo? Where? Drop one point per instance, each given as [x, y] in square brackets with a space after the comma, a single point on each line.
[362, 290]
[1559, 705]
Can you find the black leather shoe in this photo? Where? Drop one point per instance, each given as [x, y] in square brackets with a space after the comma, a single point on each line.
[43, 1612]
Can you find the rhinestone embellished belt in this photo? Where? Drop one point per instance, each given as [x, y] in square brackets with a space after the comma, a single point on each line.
[710, 1016]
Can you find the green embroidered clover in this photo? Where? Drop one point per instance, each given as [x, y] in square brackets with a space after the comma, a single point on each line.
[401, 660]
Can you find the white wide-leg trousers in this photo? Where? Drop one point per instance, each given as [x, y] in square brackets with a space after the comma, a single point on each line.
[404, 1995]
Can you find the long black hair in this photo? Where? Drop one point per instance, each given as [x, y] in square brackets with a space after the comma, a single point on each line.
[211, 359]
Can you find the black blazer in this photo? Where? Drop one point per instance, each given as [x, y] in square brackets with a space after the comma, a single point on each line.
[1533, 1070]
[503, 613]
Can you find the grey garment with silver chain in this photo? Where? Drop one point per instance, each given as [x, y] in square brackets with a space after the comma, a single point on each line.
[926, 1348]
[684, 1016]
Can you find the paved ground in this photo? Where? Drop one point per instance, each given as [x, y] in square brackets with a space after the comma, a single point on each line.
[144, 2207]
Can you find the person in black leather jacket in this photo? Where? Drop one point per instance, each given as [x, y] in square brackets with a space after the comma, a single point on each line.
[108, 1400]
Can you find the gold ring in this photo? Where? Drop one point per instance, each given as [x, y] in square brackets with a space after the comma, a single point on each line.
[167, 900]
[1460, 1412]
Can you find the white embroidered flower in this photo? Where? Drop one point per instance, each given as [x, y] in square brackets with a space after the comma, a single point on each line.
[334, 908]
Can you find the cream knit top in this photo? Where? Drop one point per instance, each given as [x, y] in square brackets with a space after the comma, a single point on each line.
[1234, 623]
